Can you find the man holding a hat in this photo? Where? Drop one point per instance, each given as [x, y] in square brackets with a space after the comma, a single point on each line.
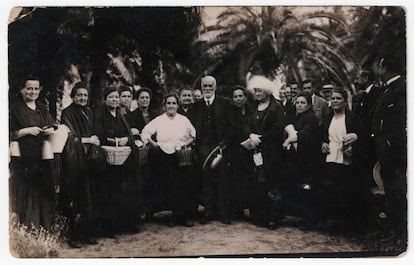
[214, 122]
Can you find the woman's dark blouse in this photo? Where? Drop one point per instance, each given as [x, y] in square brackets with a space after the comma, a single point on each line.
[307, 126]
[108, 126]
[137, 120]
[259, 120]
[270, 123]
[21, 116]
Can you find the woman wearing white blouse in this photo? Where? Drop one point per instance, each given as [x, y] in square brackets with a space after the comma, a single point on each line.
[172, 132]
[344, 187]
[338, 149]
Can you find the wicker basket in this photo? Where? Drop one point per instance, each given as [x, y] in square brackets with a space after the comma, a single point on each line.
[117, 155]
[185, 157]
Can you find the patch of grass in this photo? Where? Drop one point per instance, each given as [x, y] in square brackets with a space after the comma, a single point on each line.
[33, 242]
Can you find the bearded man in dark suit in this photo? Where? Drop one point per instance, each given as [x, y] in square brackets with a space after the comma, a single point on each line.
[213, 119]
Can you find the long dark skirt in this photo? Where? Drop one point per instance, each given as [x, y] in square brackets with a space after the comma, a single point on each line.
[340, 193]
[241, 169]
[173, 186]
[300, 185]
[156, 182]
[120, 197]
[76, 202]
[32, 191]
[265, 199]
[259, 203]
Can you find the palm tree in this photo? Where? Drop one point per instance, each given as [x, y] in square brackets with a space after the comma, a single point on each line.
[271, 36]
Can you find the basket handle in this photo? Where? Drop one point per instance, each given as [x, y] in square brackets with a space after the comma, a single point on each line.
[116, 142]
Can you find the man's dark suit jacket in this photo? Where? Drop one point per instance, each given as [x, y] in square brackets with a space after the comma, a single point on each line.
[223, 120]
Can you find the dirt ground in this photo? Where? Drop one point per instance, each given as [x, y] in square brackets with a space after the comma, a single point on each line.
[216, 239]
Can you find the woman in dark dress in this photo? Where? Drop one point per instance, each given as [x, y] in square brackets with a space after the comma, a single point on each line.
[120, 184]
[150, 171]
[302, 160]
[80, 167]
[266, 134]
[135, 121]
[241, 161]
[32, 182]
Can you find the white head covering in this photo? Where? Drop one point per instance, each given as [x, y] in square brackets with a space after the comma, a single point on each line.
[258, 81]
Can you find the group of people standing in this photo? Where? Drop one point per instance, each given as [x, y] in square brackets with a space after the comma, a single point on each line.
[275, 157]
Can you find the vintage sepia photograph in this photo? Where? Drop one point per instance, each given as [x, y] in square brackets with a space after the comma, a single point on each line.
[207, 131]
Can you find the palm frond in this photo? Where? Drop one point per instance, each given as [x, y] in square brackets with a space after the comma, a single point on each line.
[328, 68]
[214, 27]
[250, 11]
[231, 13]
[332, 17]
[341, 76]
[243, 31]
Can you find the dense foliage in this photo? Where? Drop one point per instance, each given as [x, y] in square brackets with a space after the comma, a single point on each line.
[166, 47]
[102, 46]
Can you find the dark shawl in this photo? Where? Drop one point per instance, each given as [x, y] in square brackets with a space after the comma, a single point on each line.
[79, 120]
[307, 126]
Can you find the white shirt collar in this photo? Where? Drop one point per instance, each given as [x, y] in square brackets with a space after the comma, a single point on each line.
[395, 78]
[368, 89]
[210, 101]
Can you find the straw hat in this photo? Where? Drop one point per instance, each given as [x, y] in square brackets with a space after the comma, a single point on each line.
[214, 158]
[376, 173]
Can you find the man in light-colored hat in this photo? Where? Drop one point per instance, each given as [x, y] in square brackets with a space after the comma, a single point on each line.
[326, 91]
